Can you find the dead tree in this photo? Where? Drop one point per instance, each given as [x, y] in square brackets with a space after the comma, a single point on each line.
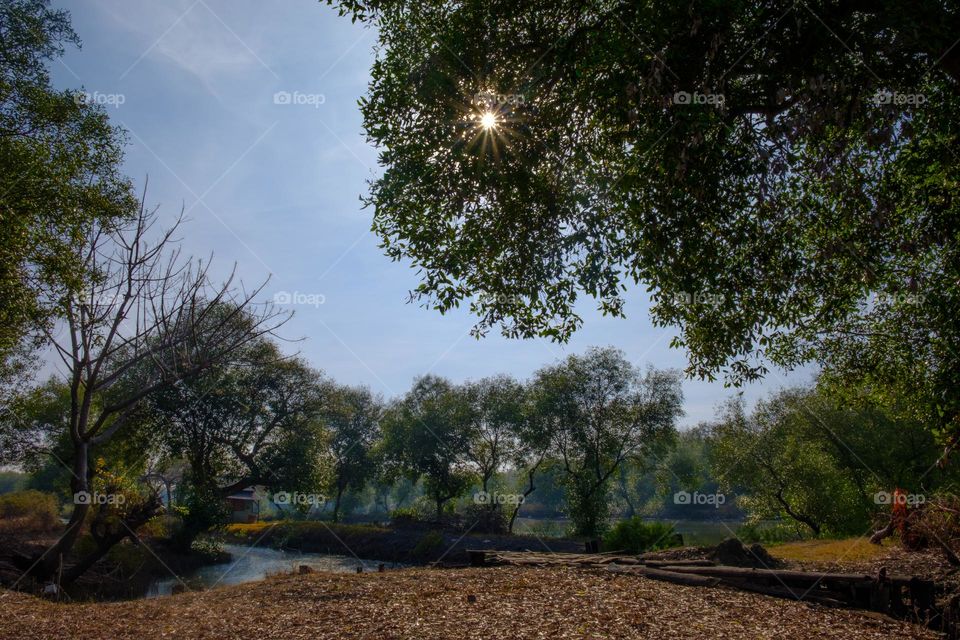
[145, 319]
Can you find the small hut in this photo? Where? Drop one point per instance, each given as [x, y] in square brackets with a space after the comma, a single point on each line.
[244, 506]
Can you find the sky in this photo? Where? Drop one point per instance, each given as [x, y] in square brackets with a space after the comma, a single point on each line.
[243, 114]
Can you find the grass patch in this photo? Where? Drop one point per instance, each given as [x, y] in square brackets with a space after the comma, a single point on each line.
[365, 541]
[297, 530]
[846, 550]
[28, 511]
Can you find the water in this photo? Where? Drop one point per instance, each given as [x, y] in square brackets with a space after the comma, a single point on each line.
[704, 533]
[250, 564]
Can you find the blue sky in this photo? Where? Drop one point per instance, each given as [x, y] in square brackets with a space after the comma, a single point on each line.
[245, 114]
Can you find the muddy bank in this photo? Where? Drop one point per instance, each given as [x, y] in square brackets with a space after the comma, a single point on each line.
[126, 572]
[406, 545]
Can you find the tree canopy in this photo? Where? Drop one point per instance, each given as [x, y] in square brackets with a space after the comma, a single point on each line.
[781, 176]
[59, 170]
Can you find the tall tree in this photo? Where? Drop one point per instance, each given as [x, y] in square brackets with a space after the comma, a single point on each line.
[604, 412]
[353, 417]
[252, 420]
[782, 176]
[495, 422]
[426, 435]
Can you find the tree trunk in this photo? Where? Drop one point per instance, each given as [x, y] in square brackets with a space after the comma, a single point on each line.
[336, 505]
[530, 488]
[48, 563]
[799, 517]
[108, 539]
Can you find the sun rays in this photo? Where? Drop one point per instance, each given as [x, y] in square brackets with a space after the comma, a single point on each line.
[490, 118]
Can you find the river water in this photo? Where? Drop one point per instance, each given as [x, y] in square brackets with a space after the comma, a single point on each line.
[248, 564]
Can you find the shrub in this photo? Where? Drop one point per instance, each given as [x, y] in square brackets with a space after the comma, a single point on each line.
[769, 534]
[207, 547]
[428, 545]
[29, 511]
[636, 536]
[423, 511]
[484, 518]
[935, 522]
[164, 526]
[404, 516]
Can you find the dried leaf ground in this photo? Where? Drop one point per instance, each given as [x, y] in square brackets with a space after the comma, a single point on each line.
[508, 602]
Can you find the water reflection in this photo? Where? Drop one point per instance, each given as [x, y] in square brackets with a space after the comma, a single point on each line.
[249, 564]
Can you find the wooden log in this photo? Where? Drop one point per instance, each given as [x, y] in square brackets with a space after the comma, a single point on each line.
[666, 576]
[679, 563]
[880, 597]
[804, 578]
[789, 594]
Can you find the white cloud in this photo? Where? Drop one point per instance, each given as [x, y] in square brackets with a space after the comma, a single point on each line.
[193, 35]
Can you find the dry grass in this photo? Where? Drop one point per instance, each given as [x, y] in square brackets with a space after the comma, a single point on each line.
[504, 602]
[848, 550]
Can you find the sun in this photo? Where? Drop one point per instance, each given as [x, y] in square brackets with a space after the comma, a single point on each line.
[488, 120]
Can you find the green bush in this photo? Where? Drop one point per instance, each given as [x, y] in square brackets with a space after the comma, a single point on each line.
[404, 516]
[207, 547]
[428, 545]
[636, 536]
[29, 510]
[484, 518]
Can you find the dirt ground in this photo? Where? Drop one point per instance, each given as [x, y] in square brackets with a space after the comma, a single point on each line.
[504, 602]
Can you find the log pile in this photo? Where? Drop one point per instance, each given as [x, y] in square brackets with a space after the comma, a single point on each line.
[905, 597]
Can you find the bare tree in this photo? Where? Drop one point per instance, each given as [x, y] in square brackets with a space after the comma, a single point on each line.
[146, 319]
